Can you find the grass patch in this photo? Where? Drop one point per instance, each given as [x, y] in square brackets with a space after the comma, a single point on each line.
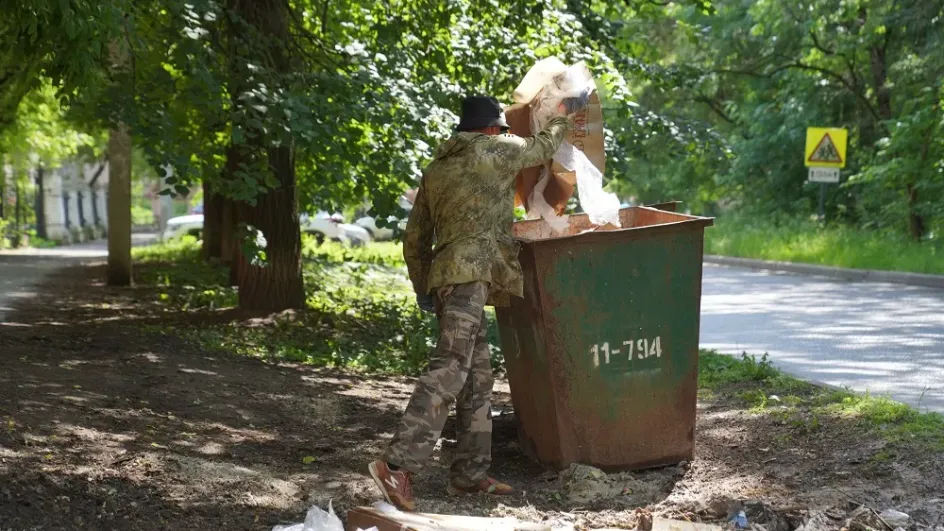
[763, 389]
[361, 312]
[832, 245]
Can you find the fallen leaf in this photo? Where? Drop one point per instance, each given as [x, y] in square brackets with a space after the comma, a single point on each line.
[309, 459]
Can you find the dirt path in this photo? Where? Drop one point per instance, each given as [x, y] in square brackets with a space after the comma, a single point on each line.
[109, 423]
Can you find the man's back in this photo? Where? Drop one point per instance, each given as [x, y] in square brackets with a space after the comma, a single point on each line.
[466, 199]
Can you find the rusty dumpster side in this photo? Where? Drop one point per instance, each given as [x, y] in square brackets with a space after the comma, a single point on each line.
[602, 352]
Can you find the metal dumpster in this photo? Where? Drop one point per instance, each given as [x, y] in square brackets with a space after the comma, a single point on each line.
[602, 351]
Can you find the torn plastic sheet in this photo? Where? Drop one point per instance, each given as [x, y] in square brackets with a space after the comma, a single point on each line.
[574, 83]
[602, 207]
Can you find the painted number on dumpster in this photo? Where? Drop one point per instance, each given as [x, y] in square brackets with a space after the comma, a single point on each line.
[639, 349]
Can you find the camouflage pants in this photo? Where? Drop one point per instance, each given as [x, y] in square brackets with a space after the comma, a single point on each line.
[459, 371]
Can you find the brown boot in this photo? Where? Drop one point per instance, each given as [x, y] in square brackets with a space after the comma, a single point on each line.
[394, 484]
[486, 486]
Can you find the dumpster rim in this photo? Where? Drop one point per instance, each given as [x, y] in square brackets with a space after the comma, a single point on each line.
[631, 233]
[692, 222]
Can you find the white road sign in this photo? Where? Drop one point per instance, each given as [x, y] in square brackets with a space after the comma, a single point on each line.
[824, 175]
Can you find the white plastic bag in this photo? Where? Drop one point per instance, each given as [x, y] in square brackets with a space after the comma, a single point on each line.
[538, 76]
[573, 82]
[316, 520]
[602, 207]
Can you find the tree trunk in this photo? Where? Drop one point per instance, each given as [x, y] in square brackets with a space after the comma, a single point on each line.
[916, 227]
[212, 223]
[40, 204]
[879, 64]
[3, 193]
[880, 82]
[119, 206]
[228, 241]
[277, 285]
[17, 237]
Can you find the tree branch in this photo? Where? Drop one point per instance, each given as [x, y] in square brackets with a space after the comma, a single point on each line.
[850, 86]
[713, 105]
[818, 46]
[324, 18]
[844, 82]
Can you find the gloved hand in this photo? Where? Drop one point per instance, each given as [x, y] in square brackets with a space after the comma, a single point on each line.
[425, 302]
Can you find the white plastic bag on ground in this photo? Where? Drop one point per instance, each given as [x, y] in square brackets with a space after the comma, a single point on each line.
[317, 520]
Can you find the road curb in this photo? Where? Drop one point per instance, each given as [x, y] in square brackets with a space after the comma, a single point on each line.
[861, 275]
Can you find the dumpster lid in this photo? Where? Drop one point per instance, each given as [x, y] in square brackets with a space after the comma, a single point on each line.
[637, 220]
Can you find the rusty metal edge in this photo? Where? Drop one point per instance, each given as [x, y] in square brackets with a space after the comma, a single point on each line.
[559, 406]
[668, 206]
[633, 232]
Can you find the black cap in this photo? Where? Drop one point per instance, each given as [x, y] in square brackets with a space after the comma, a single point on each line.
[481, 111]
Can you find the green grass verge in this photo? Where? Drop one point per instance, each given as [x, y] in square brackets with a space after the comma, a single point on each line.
[808, 242]
[766, 390]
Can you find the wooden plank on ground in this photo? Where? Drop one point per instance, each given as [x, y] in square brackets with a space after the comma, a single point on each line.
[367, 517]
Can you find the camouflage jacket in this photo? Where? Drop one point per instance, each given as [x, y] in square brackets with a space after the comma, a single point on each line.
[465, 203]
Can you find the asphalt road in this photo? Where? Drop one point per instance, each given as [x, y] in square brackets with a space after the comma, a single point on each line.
[22, 270]
[880, 338]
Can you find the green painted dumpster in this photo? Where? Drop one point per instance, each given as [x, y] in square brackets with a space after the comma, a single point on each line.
[602, 351]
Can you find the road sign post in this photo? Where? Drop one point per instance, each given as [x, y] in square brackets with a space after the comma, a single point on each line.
[825, 154]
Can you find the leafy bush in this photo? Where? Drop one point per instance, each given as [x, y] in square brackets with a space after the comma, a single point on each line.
[716, 370]
[141, 216]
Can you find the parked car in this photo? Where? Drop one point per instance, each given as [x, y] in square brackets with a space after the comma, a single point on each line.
[326, 226]
[183, 225]
[395, 226]
[323, 226]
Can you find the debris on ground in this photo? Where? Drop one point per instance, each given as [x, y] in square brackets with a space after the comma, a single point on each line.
[739, 520]
[103, 420]
[317, 520]
[895, 518]
[384, 517]
[664, 524]
[583, 484]
[816, 521]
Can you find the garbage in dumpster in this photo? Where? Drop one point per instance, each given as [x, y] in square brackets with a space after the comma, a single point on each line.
[318, 520]
[544, 190]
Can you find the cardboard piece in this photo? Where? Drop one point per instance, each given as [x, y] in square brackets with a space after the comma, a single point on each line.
[665, 524]
[367, 517]
[586, 136]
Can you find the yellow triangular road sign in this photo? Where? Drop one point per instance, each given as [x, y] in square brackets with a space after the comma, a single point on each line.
[825, 147]
[825, 151]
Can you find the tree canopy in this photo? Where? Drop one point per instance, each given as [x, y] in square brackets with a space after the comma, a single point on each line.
[705, 101]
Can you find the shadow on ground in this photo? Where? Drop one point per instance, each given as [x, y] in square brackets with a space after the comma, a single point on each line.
[110, 422]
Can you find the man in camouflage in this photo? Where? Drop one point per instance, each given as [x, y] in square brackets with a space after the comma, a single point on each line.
[466, 202]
